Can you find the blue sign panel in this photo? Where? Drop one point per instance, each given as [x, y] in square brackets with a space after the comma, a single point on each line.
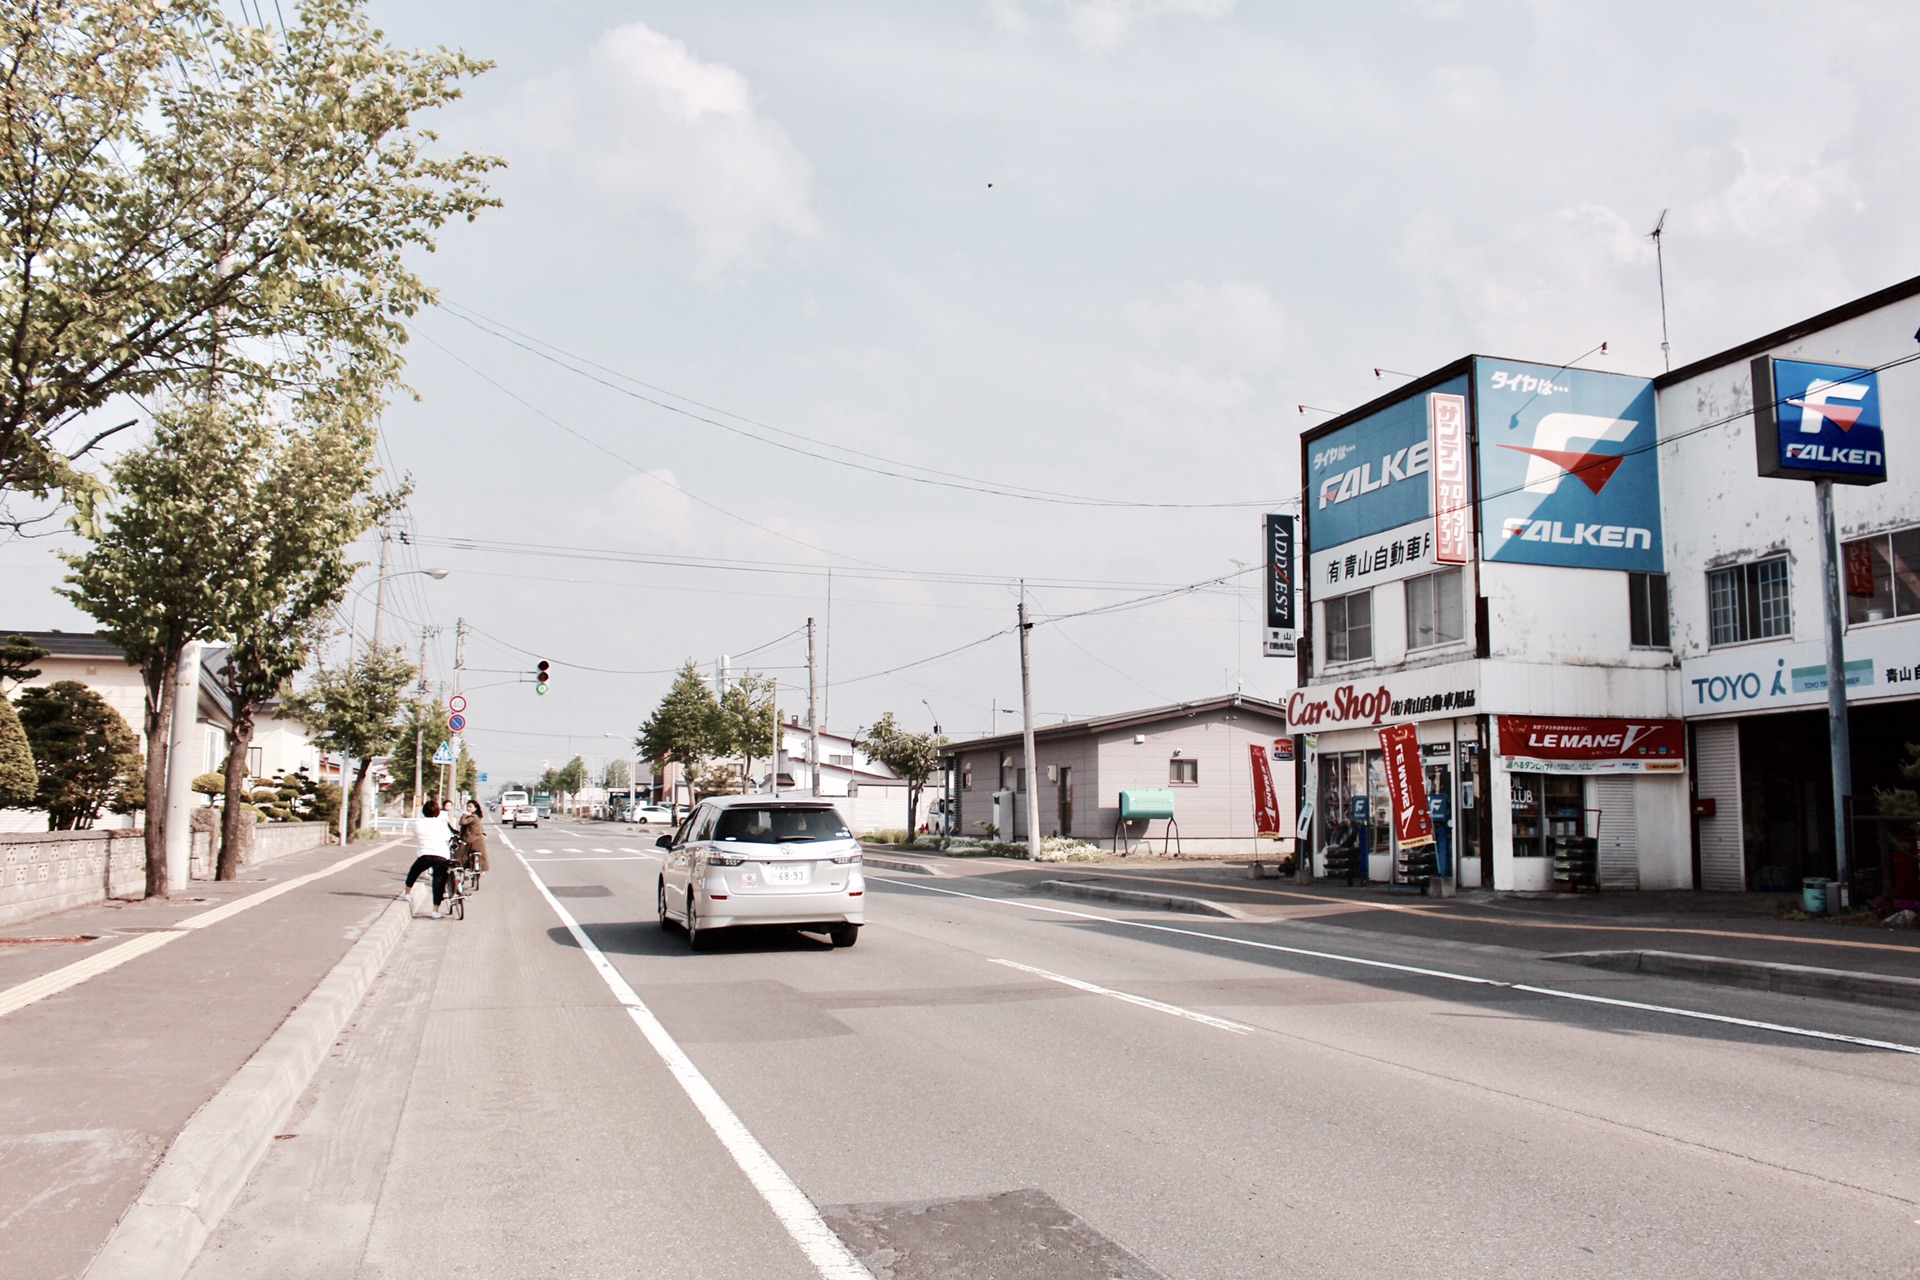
[1372, 475]
[1818, 422]
[1569, 475]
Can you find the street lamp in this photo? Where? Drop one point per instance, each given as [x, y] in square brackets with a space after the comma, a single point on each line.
[932, 715]
[380, 592]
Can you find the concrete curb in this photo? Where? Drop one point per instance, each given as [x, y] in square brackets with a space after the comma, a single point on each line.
[1786, 979]
[1137, 898]
[898, 864]
[210, 1161]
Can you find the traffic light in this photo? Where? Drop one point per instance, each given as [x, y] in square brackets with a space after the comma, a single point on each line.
[540, 678]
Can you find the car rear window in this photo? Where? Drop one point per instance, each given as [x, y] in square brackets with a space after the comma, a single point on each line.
[770, 824]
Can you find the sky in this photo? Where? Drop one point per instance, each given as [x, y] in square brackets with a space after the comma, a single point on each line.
[989, 255]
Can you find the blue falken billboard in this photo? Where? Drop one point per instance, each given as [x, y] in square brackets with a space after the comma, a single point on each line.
[1372, 475]
[1569, 471]
[1818, 421]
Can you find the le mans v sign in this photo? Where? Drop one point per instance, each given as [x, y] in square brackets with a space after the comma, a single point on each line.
[1818, 422]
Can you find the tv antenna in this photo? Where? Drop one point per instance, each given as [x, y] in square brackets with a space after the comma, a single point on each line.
[1660, 266]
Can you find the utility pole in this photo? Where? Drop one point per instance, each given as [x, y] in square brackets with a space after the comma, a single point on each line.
[380, 592]
[1026, 733]
[773, 777]
[459, 673]
[813, 710]
[419, 723]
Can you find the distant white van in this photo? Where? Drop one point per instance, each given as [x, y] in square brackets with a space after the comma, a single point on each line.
[511, 800]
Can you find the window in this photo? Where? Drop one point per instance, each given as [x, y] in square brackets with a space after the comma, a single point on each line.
[1647, 610]
[1183, 773]
[1882, 576]
[840, 762]
[1350, 627]
[1749, 602]
[1433, 610]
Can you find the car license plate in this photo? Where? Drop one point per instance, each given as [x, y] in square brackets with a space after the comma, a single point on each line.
[789, 875]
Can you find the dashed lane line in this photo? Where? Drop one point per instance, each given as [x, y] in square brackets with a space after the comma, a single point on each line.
[72, 975]
[824, 1249]
[1174, 1009]
[1722, 1019]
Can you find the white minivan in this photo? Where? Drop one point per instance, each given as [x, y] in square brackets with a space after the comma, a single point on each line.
[762, 860]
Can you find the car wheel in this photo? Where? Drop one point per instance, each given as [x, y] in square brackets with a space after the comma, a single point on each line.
[696, 936]
[844, 935]
[666, 921]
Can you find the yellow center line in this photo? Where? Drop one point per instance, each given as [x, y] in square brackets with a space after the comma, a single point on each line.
[72, 975]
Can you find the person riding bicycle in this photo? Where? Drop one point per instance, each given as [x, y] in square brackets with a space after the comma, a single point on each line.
[472, 847]
[428, 831]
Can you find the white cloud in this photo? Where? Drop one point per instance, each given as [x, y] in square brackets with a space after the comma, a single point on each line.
[1101, 24]
[1236, 324]
[657, 127]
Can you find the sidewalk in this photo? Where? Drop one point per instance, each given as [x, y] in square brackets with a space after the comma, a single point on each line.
[97, 1079]
[1734, 926]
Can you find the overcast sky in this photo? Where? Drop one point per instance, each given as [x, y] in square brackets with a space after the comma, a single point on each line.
[1088, 247]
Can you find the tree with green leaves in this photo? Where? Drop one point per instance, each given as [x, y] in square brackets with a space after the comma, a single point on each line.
[746, 719]
[687, 728]
[913, 757]
[17, 656]
[617, 776]
[571, 778]
[19, 781]
[355, 709]
[466, 773]
[184, 194]
[87, 758]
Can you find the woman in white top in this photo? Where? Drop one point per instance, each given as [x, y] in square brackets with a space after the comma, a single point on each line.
[430, 849]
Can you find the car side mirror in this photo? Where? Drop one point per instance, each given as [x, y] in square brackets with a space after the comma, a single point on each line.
[664, 842]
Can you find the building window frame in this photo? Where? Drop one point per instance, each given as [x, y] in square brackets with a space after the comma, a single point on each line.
[1751, 601]
[1348, 622]
[1183, 771]
[1428, 597]
[1893, 560]
[1649, 617]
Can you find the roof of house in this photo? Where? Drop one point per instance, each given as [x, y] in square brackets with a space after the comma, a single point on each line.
[1129, 719]
[1798, 329]
[72, 644]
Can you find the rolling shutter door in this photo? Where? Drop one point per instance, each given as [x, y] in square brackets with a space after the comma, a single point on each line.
[1619, 827]
[1716, 777]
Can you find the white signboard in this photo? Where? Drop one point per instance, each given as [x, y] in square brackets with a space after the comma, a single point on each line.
[1882, 662]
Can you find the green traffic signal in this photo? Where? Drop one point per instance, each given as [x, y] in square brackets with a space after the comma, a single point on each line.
[540, 678]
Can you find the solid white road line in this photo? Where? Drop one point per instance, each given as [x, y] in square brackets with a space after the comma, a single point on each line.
[615, 857]
[1471, 979]
[828, 1253]
[1142, 1001]
[72, 975]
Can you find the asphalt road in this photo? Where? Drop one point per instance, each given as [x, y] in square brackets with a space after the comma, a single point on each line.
[996, 1084]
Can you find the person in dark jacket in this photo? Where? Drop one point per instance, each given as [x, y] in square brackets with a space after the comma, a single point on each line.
[473, 835]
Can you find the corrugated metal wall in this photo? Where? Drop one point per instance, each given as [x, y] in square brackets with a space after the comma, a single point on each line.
[1716, 771]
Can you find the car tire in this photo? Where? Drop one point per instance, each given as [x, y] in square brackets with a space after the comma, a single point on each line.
[696, 936]
[844, 935]
[666, 921]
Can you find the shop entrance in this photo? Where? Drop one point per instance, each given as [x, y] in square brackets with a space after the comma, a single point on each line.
[1345, 775]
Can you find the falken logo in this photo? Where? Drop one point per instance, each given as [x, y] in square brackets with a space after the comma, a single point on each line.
[1414, 460]
[1817, 406]
[1549, 459]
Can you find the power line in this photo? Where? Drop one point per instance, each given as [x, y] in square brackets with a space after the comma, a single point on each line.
[939, 477]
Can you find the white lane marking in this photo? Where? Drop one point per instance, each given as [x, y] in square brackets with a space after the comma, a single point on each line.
[72, 975]
[1779, 1028]
[616, 857]
[828, 1253]
[1142, 1001]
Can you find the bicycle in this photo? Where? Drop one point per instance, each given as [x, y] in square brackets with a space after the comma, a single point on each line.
[462, 883]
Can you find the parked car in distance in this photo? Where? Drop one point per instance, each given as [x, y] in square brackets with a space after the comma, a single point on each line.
[651, 814]
[742, 860]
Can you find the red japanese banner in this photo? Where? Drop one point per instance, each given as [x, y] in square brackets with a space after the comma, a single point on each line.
[1406, 785]
[1452, 512]
[1859, 560]
[1266, 801]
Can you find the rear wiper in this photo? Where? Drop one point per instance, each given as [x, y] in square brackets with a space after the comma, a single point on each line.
[794, 839]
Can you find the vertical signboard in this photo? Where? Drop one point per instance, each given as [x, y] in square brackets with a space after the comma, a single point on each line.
[1406, 785]
[1452, 511]
[1818, 422]
[1266, 801]
[1569, 472]
[1282, 553]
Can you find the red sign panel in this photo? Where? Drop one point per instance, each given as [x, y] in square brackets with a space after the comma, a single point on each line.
[1266, 801]
[1859, 563]
[1580, 745]
[1452, 512]
[1406, 785]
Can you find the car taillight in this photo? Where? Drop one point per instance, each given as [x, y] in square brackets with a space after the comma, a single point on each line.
[846, 858]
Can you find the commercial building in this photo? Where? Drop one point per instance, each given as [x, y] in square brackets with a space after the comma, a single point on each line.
[1198, 754]
[1604, 621]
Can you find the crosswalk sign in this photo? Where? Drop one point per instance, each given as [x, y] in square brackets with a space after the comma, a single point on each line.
[443, 754]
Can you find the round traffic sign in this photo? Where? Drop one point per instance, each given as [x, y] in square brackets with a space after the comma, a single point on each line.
[456, 703]
[456, 722]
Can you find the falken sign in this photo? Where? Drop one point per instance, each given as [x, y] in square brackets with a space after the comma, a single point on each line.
[1569, 474]
[1818, 422]
[1372, 475]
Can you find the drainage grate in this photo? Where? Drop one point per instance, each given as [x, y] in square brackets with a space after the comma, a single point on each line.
[579, 891]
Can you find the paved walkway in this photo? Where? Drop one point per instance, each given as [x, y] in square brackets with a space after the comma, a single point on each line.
[103, 1063]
